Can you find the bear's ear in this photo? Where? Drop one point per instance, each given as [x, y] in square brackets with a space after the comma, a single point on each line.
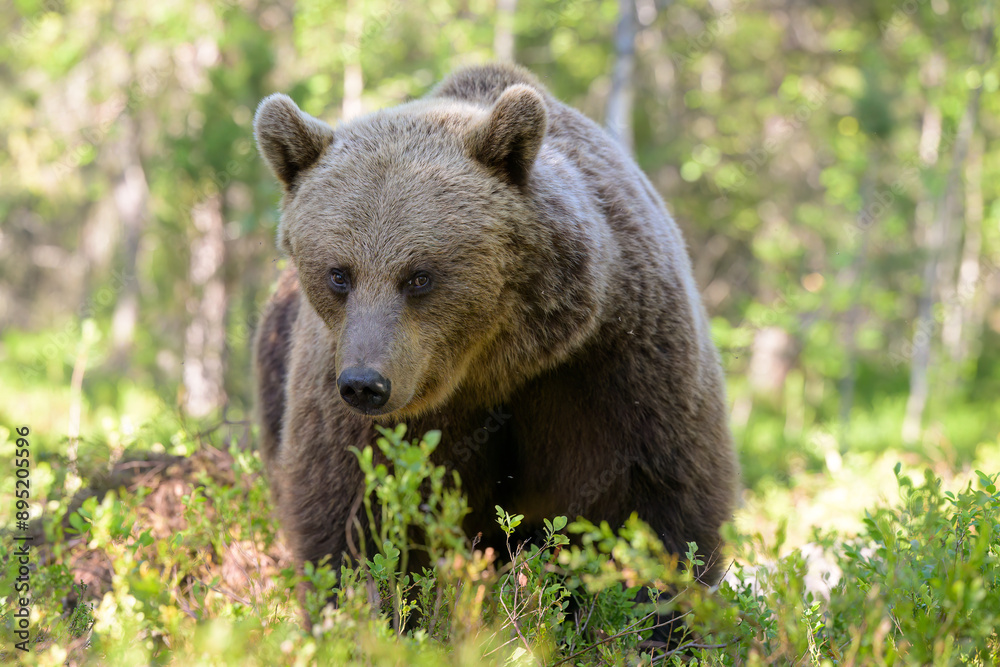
[289, 139]
[508, 141]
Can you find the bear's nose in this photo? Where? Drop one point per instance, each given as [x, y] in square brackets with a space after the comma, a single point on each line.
[364, 388]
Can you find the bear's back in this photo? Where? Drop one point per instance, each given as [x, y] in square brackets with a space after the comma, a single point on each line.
[482, 85]
[630, 208]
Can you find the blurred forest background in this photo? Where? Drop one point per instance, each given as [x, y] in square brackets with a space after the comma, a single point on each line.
[834, 166]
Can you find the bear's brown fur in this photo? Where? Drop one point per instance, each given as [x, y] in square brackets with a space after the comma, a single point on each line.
[560, 343]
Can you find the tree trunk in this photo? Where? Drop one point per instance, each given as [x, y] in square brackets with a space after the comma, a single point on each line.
[204, 344]
[503, 34]
[850, 334]
[131, 197]
[961, 309]
[773, 356]
[851, 277]
[936, 239]
[618, 119]
[353, 79]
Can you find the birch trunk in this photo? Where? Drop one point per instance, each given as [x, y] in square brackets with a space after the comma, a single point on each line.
[964, 308]
[205, 339]
[618, 119]
[503, 34]
[131, 197]
[852, 277]
[936, 247]
[353, 80]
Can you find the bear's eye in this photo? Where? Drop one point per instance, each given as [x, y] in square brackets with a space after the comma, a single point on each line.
[338, 281]
[418, 283]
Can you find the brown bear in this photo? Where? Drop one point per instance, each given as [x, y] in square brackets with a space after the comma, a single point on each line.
[487, 262]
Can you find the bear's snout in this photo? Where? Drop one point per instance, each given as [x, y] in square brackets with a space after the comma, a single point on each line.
[364, 389]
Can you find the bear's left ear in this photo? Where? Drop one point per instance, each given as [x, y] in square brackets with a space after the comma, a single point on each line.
[289, 139]
[508, 141]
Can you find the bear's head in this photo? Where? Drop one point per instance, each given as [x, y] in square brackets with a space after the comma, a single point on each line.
[405, 227]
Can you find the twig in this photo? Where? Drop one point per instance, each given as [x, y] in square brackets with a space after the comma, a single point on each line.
[137, 464]
[513, 622]
[353, 514]
[593, 605]
[185, 607]
[494, 650]
[624, 633]
[76, 405]
[228, 594]
[684, 647]
[437, 609]
[254, 587]
[729, 569]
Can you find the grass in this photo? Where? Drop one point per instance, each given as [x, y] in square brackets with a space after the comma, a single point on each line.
[171, 555]
[157, 544]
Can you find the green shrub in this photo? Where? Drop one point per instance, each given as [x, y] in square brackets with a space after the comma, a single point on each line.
[919, 585]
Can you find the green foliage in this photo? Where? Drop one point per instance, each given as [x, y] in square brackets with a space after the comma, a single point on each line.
[789, 144]
[926, 573]
[918, 585]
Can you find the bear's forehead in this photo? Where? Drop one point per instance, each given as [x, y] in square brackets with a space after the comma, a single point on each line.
[414, 129]
[391, 206]
[368, 178]
[389, 187]
[387, 247]
[393, 181]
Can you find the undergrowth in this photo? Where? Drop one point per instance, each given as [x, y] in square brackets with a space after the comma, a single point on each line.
[206, 580]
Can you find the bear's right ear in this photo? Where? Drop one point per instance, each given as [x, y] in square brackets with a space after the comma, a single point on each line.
[509, 140]
[289, 139]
